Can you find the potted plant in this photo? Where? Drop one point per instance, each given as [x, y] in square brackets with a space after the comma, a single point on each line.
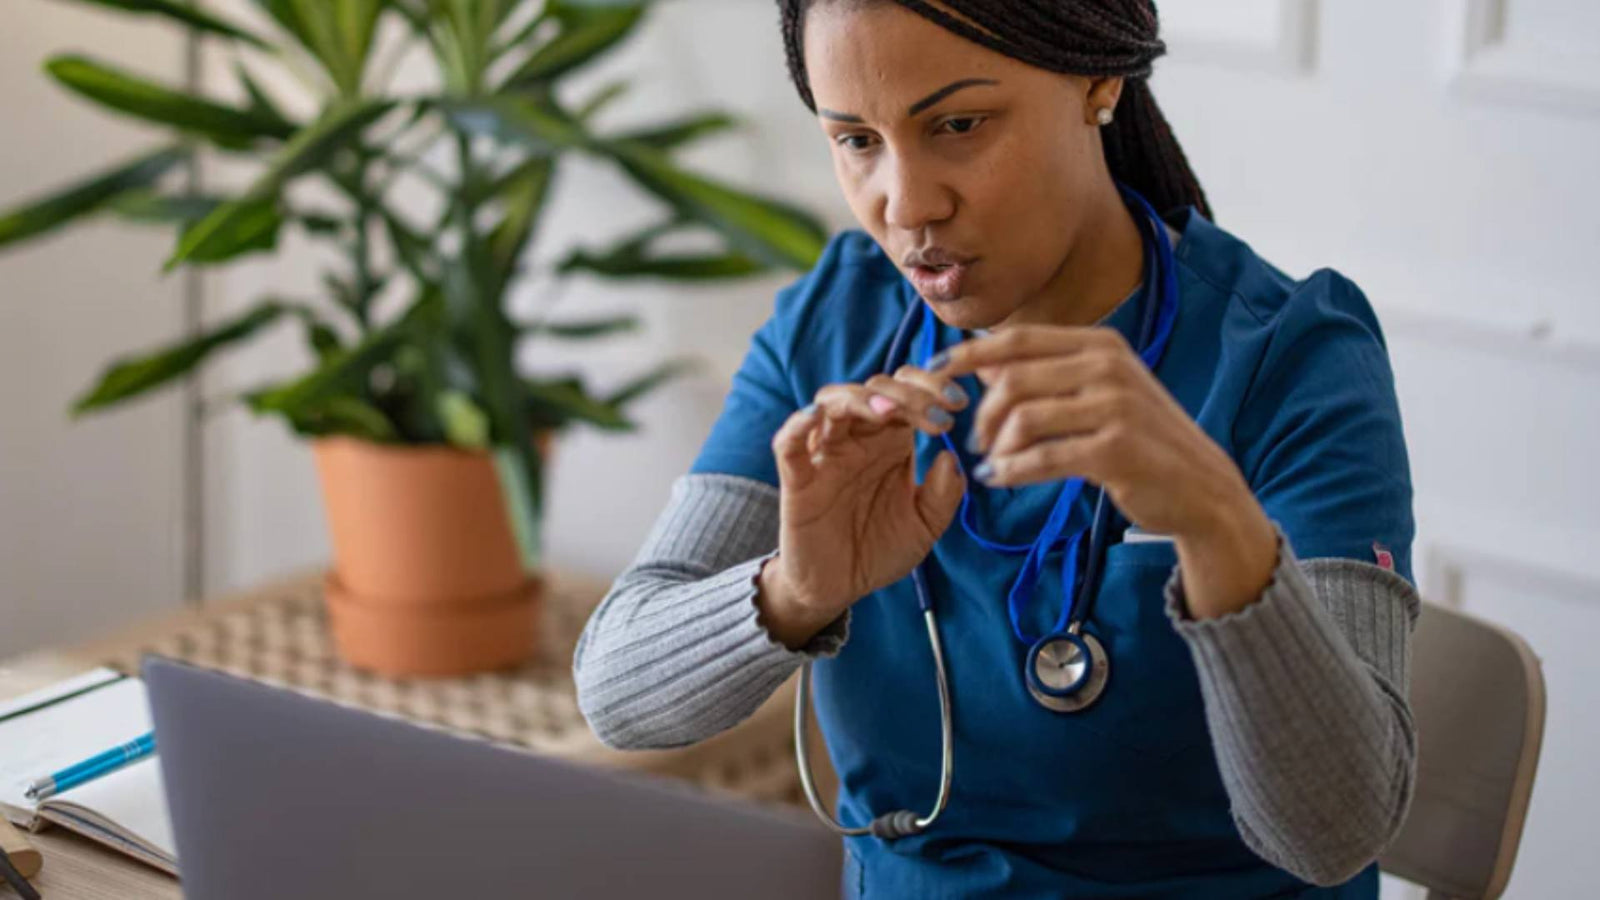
[428, 439]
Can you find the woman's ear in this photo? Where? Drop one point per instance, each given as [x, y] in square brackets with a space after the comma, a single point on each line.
[1100, 105]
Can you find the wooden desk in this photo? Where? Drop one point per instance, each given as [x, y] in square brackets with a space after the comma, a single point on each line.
[278, 634]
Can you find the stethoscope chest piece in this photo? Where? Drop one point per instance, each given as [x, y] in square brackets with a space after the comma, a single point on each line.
[1067, 671]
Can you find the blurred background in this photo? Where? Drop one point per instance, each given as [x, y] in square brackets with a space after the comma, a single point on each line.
[1442, 153]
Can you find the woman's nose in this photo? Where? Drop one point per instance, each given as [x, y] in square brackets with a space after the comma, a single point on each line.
[913, 199]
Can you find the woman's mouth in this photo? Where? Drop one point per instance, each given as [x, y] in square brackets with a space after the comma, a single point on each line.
[940, 283]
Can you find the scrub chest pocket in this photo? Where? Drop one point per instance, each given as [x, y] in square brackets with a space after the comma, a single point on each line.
[1152, 705]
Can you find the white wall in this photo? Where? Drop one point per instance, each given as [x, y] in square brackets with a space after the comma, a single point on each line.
[89, 511]
[1443, 154]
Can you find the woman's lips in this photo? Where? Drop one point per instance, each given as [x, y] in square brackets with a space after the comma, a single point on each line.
[940, 284]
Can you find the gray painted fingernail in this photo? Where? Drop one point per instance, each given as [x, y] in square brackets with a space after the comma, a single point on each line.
[954, 393]
[939, 360]
[972, 442]
[984, 471]
[940, 418]
[809, 409]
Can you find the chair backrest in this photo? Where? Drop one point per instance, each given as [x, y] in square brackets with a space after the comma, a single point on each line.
[1477, 693]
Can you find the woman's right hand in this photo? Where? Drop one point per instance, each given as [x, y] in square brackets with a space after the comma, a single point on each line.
[853, 519]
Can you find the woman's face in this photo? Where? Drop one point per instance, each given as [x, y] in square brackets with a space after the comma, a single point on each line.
[944, 148]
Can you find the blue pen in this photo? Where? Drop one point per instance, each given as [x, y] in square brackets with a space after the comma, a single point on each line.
[93, 767]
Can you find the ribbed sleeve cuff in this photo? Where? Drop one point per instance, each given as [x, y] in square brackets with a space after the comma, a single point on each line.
[1311, 733]
[1280, 587]
[1266, 641]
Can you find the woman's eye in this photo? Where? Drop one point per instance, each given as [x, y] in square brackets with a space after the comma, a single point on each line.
[963, 125]
[855, 142]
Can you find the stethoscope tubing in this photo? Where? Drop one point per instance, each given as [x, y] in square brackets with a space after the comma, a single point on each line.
[1155, 329]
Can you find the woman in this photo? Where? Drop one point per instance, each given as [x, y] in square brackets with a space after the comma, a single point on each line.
[1014, 310]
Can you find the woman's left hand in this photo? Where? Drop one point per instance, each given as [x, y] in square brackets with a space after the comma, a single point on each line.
[1063, 402]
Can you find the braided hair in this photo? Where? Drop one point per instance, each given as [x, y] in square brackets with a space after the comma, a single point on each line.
[1095, 38]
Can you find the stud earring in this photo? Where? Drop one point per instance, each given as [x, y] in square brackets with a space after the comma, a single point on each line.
[1104, 115]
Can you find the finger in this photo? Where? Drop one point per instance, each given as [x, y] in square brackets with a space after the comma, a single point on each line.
[1074, 457]
[916, 405]
[940, 494]
[951, 394]
[849, 411]
[1018, 343]
[791, 446]
[1050, 418]
[1017, 383]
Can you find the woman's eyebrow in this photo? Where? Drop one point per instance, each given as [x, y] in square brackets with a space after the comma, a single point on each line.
[918, 106]
[946, 91]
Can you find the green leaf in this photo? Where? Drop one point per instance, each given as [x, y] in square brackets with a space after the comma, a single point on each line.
[354, 24]
[155, 207]
[306, 150]
[136, 375]
[680, 267]
[466, 425]
[186, 14]
[535, 124]
[413, 251]
[601, 99]
[769, 231]
[344, 292]
[345, 414]
[587, 30]
[287, 14]
[252, 230]
[523, 199]
[319, 223]
[556, 402]
[587, 328]
[416, 18]
[489, 339]
[260, 100]
[651, 380]
[342, 373]
[45, 214]
[337, 33]
[226, 125]
[673, 135]
[320, 335]
[632, 258]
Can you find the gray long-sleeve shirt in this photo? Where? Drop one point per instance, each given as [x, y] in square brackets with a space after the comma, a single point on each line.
[1304, 689]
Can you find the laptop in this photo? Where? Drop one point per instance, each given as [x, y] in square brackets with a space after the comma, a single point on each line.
[274, 794]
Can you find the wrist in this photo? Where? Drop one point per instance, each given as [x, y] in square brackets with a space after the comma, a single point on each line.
[1228, 561]
[784, 611]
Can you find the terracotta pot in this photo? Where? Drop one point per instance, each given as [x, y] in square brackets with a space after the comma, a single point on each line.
[416, 523]
[437, 640]
[427, 578]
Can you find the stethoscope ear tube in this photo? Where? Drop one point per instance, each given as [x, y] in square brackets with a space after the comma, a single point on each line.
[900, 823]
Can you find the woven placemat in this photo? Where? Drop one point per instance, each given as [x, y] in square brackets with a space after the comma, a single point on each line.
[282, 639]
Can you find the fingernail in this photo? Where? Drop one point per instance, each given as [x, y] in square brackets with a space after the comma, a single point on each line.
[940, 418]
[809, 409]
[972, 442]
[954, 393]
[984, 471]
[939, 360]
[882, 405]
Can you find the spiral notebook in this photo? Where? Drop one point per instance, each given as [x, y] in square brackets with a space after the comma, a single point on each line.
[53, 728]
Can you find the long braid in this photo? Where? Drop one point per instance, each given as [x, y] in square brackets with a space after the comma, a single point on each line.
[1095, 38]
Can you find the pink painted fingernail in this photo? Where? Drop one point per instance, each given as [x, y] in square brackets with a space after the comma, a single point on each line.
[882, 405]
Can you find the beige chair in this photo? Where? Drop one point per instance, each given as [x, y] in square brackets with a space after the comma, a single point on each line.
[1478, 696]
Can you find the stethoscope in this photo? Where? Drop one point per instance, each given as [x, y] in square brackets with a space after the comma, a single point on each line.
[1066, 669]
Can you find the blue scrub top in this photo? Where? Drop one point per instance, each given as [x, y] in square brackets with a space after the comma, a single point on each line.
[1123, 799]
